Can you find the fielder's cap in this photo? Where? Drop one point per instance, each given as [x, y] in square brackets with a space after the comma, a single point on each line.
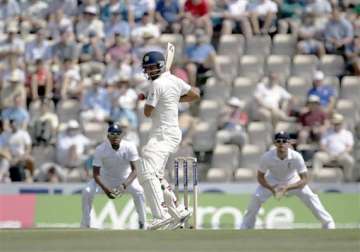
[314, 99]
[115, 129]
[319, 75]
[90, 10]
[281, 135]
[73, 124]
[337, 118]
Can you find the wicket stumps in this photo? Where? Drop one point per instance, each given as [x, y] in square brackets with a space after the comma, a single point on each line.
[184, 162]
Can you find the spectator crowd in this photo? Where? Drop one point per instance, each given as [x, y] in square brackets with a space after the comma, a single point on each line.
[70, 68]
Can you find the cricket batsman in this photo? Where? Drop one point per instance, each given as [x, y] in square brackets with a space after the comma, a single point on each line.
[162, 102]
[114, 173]
[283, 171]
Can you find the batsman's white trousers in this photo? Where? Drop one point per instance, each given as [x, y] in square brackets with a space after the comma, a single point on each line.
[92, 188]
[162, 142]
[310, 199]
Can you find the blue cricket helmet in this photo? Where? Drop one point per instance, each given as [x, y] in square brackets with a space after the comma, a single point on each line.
[151, 59]
[282, 135]
[115, 129]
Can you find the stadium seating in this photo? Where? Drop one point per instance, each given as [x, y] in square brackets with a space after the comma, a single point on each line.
[349, 110]
[259, 134]
[231, 45]
[251, 66]
[328, 175]
[304, 65]
[298, 87]
[279, 64]
[96, 131]
[224, 161]
[243, 88]
[332, 65]
[350, 89]
[68, 109]
[203, 139]
[216, 90]
[209, 111]
[284, 44]
[258, 45]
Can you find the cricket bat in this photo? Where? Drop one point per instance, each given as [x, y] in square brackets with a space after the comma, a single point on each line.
[170, 52]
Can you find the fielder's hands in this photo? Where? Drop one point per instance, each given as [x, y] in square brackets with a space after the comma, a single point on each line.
[119, 191]
[109, 193]
[280, 191]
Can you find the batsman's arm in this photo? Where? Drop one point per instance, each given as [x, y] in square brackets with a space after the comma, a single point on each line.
[192, 95]
[148, 109]
[262, 181]
[300, 184]
[96, 174]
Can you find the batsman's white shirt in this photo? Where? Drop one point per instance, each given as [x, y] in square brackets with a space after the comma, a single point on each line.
[115, 164]
[165, 134]
[164, 95]
[284, 171]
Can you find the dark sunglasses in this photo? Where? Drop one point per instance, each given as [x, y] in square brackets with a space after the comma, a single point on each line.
[114, 134]
[281, 141]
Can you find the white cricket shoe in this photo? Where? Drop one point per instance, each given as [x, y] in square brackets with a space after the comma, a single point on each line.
[329, 225]
[184, 217]
[159, 223]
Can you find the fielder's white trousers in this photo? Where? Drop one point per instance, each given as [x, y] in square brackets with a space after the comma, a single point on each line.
[92, 188]
[310, 199]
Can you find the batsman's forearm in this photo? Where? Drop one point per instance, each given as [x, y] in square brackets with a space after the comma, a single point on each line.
[186, 98]
[192, 95]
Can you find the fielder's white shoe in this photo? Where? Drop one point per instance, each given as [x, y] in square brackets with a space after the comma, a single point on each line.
[159, 223]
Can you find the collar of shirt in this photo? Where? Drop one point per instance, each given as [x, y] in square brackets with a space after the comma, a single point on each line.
[287, 157]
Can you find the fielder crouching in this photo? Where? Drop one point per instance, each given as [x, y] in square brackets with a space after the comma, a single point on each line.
[114, 173]
[283, 170]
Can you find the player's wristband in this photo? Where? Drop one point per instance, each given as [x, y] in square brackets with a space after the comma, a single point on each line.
[124, 185]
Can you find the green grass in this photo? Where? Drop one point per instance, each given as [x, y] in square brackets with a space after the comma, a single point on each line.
[306, 240]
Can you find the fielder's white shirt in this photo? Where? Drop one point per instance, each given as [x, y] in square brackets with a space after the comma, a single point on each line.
[115, 164]
[337, 142]
[284, 171]
[164, 95]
